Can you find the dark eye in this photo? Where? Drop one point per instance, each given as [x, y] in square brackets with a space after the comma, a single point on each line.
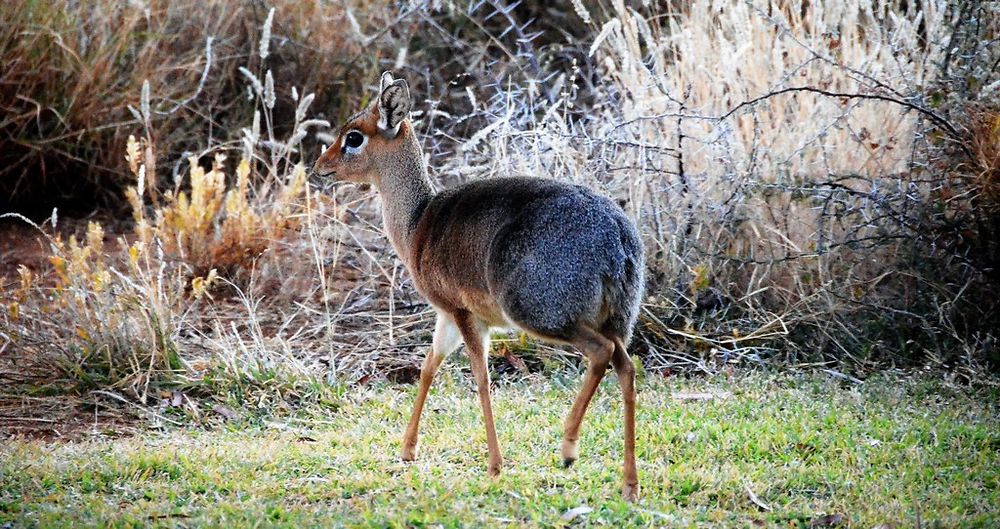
[354, 139]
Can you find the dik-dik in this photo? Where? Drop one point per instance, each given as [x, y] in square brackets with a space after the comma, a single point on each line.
[549, 258]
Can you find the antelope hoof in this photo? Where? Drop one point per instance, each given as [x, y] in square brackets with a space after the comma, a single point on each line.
[494, 470]
[409, 453]
[569, 452]
[630, 492]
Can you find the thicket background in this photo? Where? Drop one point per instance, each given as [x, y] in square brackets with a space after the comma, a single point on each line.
[817, 183]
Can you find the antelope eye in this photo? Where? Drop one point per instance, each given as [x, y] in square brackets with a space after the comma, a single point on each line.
[354, 139]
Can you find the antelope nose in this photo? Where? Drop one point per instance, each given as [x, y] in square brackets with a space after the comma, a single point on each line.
[320, 169]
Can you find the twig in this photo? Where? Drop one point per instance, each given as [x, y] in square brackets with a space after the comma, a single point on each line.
[940, 121]
[201, 82]
[127, 402]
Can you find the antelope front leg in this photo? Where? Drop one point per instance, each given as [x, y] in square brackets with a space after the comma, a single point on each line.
[446, 340]
[477, 343]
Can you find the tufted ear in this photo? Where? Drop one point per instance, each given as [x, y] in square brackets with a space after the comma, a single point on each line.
[393, 104]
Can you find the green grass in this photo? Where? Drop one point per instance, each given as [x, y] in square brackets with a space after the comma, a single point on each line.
[891, 451]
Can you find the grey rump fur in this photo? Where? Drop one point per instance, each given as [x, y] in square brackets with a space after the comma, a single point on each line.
[556, 254]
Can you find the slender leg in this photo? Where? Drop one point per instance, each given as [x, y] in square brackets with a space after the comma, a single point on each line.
[598, 351]
[477, 342]
[626, 378]
[446, 340]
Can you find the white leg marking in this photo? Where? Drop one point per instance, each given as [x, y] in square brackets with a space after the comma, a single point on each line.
[447, 337]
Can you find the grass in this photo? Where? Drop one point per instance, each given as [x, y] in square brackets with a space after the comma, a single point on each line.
[891, 452]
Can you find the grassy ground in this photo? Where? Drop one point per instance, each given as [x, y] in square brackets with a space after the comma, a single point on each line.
[767, 450]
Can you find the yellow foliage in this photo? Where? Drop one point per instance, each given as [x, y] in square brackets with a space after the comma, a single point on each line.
[701, 278]
[133, 153]
[133, 255]
[214, 226]
[27, 280]
[200, 285]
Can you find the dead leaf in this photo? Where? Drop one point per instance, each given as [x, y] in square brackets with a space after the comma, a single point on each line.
[575, 512]
[225, 412]
[514, 360]
[805, 449]
[165, 516]
[829, 520]
[756, 501]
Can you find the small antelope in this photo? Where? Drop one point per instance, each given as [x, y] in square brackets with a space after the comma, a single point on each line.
[549, 258]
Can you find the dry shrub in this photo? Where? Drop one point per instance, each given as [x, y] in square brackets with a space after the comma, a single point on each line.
[113, 318]
[97, 322]
[984, 143]
[794, 179]
[72, 71]
[214, 228]
[781, 200]
[774, 154]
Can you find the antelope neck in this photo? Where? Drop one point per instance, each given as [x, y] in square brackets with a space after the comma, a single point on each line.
[405, 193]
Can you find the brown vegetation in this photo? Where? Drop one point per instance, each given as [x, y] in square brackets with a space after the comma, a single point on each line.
[73, 75]
[815, 182]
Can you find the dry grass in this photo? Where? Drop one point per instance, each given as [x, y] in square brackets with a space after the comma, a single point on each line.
[73, 75]
[984, 143]
[786, 165]
[773, 156]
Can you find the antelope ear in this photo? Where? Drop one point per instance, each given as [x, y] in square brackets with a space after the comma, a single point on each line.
[393, 104]
[385, 81]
